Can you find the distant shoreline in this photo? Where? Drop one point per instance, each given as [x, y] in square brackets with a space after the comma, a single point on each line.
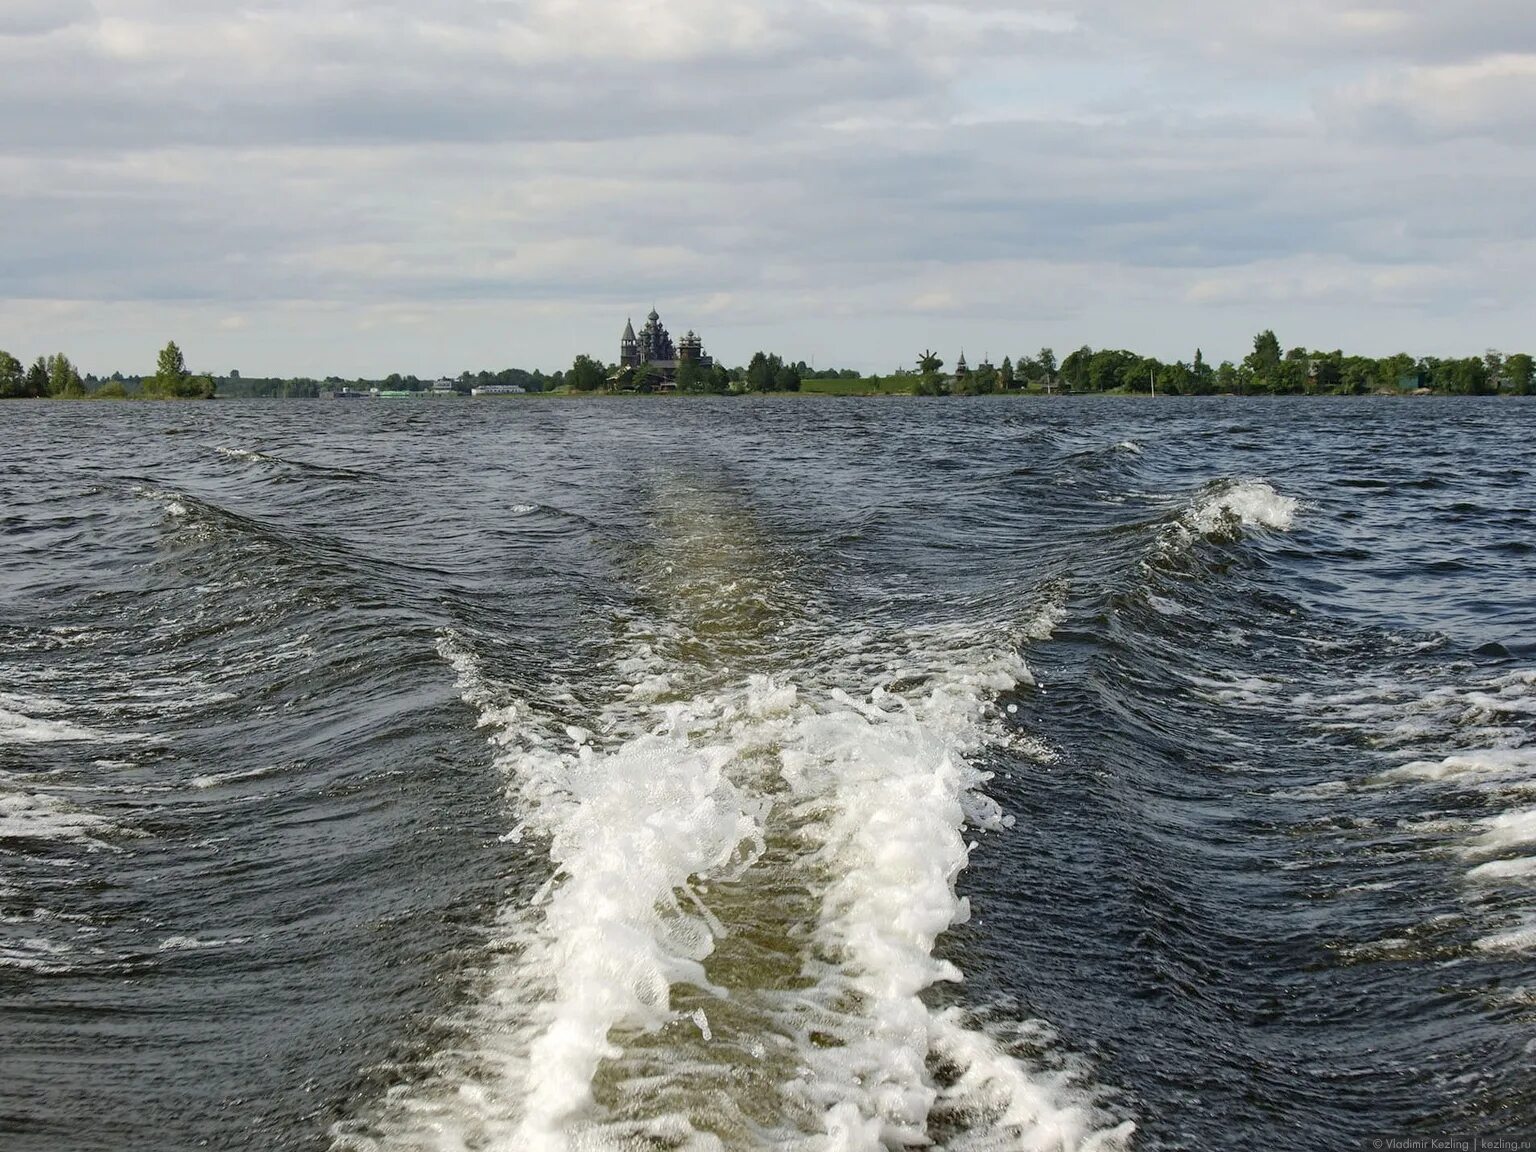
[1266, 371]
[460, 400]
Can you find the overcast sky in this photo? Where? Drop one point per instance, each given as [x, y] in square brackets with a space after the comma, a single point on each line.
[365, 186]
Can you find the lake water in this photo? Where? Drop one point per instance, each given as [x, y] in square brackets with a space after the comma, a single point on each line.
[767, 773]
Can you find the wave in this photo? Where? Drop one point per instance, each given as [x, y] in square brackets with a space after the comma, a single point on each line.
[18, 727]
[1231, 506]
[30, 815]
[1221, 513]
[284, 464]
[1473, 740]
[197, 944]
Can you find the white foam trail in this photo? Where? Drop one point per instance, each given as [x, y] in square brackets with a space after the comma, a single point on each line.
[656, 841]
[903, 794]
[631, 831]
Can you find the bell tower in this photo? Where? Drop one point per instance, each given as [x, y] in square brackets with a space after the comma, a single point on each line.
[629, 347]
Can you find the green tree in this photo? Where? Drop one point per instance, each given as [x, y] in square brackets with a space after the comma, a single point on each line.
[1074, 369]
[1175, 379]
[1494, 361]
[36, 382]
[13, 377]
[1264, 361]
[1468, 377]
[171, 370]
[172, 380]
[1047, 361]
[586, 374]
[1357, 375]
[63, 377]
[1005, 377]
[761, 373]
[1112, 368]
[1391, 370]
[1291, 375]
[1328, 373]
[1227, 378]
[1137, 373]
[787, 378]
[1202, 378]
[695, 377]
[1518, 367]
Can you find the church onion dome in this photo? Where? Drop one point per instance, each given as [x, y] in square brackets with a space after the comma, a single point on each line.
[654, 316]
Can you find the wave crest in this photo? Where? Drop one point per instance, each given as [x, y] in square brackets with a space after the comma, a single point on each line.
[1242, 504]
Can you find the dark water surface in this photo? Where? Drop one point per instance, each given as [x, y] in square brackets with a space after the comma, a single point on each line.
[548, 775]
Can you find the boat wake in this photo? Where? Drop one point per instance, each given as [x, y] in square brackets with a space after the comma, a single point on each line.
[749, 853]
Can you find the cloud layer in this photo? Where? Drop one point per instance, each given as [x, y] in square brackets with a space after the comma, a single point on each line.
[361, 186]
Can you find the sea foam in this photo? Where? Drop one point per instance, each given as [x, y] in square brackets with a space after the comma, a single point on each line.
[1479, 744]
[824, 823]
[27, 814]
[1244, 503]
[28, 720]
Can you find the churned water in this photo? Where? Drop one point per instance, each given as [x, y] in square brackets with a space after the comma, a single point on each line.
[783, 774]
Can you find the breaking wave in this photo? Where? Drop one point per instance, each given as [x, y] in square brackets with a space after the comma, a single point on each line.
[1241, 504]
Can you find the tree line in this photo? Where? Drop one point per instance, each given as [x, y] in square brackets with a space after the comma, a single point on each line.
[1267, 370]
[56, 376]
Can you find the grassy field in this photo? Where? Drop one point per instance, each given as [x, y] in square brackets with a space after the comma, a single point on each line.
[869, 386]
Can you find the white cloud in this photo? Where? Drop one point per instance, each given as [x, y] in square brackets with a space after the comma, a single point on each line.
[1492, 96]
